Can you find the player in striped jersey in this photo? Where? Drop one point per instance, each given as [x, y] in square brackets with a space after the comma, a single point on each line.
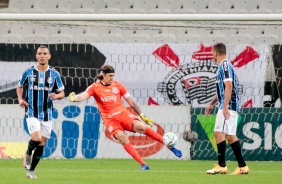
[227, 115]
[42, 85]
[108, 94]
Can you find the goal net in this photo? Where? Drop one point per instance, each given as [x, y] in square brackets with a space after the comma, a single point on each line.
[167, 66]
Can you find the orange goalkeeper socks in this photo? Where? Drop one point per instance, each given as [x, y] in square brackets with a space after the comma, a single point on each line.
[153, 134]
[133, 152]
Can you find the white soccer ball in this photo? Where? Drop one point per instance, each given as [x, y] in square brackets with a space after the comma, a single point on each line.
[170, 139]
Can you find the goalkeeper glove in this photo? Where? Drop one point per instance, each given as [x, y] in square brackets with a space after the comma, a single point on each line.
[148, 121]
[72, 97]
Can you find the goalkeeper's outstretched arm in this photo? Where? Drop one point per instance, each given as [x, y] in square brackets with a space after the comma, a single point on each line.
[78, 98]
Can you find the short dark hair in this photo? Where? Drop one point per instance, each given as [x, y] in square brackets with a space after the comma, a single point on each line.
[220, 48]
[43, 47]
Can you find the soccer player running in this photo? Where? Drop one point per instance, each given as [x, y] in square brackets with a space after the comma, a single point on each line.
[227, 115]
[108, 94]
[43, 84]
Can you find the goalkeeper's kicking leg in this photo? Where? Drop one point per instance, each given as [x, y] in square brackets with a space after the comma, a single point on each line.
[141, 128]
[125, 123]
[123, 139]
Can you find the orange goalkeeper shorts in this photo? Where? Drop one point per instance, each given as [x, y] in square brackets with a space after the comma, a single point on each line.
[122, 121]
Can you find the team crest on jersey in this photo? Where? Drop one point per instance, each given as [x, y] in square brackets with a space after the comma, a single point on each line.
[115, 90]
[49, 80]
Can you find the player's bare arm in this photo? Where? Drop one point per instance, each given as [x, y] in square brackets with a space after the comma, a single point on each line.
[54, 96]
[137, 109]
[133, 105]
[227, 97]
[78, 98]
[210, 106]
[22, 102]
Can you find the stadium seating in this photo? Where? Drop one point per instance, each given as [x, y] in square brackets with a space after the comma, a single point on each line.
[144, 6]
[21, 5]
[267, 6]
[11, 38]
[114, 6]
[191, 6]
[239, 39]
[137, 38]
[112, 38]
[61, 38]
[109, 34]
[62, 6]
[215, 38]
[269, 39]
[163, 38]
[189, 38]
[89, 6]
[85, 38]
[35, 39]
[38, 6]
[165, 6]
[241, 6]
[139, 6]
[216, 6]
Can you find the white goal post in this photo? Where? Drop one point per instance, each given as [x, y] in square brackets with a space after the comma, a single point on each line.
[141, 17]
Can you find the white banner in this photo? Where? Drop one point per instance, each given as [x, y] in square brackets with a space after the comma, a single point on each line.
[164, 74]
[183, 74]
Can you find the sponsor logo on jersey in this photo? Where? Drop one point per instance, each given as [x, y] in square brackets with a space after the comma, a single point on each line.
[109, 99]
[35, 87]
[113, 114]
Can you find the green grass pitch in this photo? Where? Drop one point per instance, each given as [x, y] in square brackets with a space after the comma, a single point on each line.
[115, 171]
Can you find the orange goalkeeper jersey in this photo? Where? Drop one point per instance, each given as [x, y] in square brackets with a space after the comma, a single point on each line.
[108, 98]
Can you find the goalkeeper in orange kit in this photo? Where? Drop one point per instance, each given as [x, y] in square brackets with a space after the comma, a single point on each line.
[116, 118]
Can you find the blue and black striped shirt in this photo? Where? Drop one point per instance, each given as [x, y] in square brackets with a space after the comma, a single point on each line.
[225, 73]
[38, 86]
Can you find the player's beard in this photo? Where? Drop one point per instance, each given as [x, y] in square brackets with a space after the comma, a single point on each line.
[108, 84]
[105, 83]
[43, 64]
